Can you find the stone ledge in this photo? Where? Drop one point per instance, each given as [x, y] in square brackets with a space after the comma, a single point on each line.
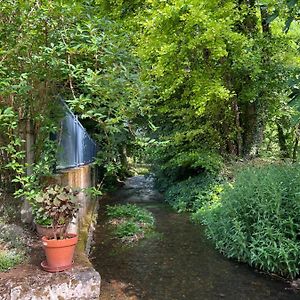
[29, 282]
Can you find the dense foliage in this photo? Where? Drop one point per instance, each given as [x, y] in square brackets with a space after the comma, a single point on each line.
[191, 194]
[106, 90]
[53, 50]
[229, 75]
[12, 154]
[256, 219]
[59, 204]
[210, 78]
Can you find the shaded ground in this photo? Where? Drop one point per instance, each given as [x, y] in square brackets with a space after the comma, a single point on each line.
[177, 263]
[16, 239]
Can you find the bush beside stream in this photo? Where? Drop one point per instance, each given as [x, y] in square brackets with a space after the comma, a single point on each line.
[255, 219]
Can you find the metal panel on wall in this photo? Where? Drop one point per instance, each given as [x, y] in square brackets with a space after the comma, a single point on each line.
[76, 147]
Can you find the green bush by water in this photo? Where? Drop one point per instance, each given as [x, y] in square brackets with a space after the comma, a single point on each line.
[127, 229]
[130, 211]
[257, 219]
[191, 194]
[130, 220]
[172, 166]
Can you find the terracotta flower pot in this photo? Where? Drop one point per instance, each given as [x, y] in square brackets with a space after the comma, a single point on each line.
[59, 253]
[43, 230]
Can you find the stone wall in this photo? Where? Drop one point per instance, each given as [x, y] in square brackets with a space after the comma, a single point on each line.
[81, 282]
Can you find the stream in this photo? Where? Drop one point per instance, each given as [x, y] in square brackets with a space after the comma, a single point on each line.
[178, 262]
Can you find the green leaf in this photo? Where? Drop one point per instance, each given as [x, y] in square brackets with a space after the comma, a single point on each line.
[291, 3]
[288, 24]
[272, 17]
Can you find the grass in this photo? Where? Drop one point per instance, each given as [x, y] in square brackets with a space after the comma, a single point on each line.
[130, 223]
[255, 219]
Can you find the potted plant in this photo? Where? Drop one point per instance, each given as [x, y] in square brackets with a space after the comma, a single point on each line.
[58, 204]
[42, 222]
[43, 226]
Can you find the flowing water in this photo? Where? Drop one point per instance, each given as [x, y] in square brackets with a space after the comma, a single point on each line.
[178, 262]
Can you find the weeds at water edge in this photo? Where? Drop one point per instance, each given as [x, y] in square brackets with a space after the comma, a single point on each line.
[130, 223]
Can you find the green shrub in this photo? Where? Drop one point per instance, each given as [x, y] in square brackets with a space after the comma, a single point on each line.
[173, 163]
[257, 219]
[191, 194]
[205, 160]
[127, 228]
[129, 220]
[131, 212]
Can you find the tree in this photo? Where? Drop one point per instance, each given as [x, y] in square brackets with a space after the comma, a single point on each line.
[218, 72]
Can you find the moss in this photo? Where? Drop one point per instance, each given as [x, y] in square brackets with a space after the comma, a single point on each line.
[9, 259]
[85, 226]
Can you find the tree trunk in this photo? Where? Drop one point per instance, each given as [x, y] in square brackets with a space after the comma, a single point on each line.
[255, 113]
[295, 148]
[239, 140]
[282, 142]
[124, 159]
[249, 117]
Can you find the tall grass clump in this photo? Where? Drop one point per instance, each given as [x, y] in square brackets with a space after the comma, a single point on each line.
[257, 219]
